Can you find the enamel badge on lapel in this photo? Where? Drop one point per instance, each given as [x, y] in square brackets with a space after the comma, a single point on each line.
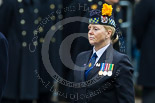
[98, 64]
[106, 69]
[89, 65]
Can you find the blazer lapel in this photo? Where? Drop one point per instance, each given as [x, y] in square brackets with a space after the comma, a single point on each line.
[82, 73]
[107, 57]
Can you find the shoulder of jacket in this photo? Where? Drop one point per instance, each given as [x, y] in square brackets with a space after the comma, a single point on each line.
[84, 53]
[120, 56]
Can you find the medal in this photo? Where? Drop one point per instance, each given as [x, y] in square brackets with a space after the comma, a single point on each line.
[101, 69]
[110, 70]
[109, 73]
[100, 72]
[105, 73]
[105, 70]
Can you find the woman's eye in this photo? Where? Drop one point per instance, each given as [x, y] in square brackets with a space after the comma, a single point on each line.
[95, 29]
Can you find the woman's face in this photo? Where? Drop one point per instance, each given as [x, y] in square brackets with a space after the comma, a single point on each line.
[97, 34]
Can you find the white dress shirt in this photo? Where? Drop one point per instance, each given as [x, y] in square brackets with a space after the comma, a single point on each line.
[100, 52]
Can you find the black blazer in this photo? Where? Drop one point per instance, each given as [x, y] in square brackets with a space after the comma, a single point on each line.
[144, 31]
[22, 82]
[24, 56]
[117, 88]
[3, 63]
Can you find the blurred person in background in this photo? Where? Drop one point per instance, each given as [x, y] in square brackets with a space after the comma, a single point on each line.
[19, 22]
[3, 63]
[143, 29]
[49, 15]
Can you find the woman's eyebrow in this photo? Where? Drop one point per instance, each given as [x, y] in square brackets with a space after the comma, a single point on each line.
[96, 27]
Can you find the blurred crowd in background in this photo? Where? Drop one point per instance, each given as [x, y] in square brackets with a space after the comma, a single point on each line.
[25, 23]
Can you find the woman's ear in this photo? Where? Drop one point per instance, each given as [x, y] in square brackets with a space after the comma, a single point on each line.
[109, 33]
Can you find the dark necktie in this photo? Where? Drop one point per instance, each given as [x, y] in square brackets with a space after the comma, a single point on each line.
[90, 65]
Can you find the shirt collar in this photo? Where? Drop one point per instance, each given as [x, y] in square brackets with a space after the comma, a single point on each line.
[100, 51]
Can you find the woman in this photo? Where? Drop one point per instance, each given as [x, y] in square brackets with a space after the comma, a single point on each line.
[3, 63]
[107, 77]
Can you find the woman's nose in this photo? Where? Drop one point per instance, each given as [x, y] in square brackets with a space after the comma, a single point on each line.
[90, 31]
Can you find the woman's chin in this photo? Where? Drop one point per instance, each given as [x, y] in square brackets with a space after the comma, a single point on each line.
[91, 43]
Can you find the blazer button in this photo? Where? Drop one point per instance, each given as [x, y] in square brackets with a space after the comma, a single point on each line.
[118, 8]
[90, 0]
[41, 40]
[22, 22]
[36, 10]
[52, 6]
[23, 32]
[53, 40]
[41, 29]
[24, 44]
[53, 18]
[100, 3]
[19, 1]
[36, 22]
[53, 28]
[120, 21]
[94, 6]
[21, 10]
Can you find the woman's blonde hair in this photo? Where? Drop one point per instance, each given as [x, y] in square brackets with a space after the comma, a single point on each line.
[111, 28]
[114, 39]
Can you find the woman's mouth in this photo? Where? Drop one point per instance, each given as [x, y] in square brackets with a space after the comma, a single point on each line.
[91, 38]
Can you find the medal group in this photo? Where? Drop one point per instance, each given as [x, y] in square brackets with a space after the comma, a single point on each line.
[105, 69]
